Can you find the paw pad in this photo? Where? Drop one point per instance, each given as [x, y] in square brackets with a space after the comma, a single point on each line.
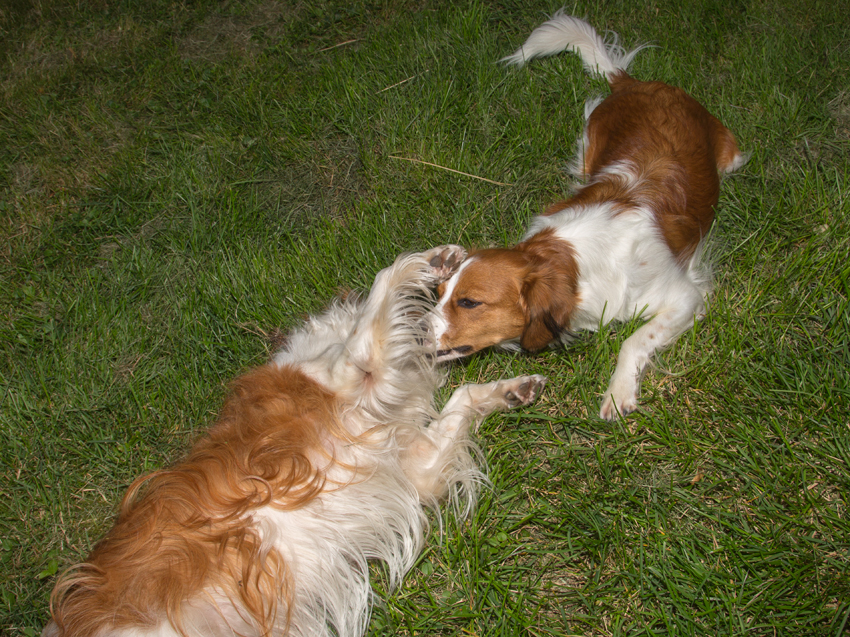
[445, 260]
[526, 391]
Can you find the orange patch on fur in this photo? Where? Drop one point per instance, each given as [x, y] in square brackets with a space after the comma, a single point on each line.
[677, 147]
[527, 292]
[187, 528]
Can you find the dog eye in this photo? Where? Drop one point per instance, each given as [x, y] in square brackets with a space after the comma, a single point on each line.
[468, 304]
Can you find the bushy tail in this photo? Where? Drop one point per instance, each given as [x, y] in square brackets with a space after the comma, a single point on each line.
[563, 32]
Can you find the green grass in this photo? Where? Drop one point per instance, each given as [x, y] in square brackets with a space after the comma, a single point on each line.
[180, 183]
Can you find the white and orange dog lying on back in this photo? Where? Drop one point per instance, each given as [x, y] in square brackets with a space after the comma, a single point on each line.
[320, 462]
[627, 243]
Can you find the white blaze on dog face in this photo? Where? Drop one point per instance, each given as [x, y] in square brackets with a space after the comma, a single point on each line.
[480, 305]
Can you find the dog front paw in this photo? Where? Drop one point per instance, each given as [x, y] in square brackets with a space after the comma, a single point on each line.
[522, 390]
[618, 404]
[444, 261]
[504, 394]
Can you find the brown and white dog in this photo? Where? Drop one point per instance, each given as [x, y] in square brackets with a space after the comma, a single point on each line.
[626, 244]
[320, 462]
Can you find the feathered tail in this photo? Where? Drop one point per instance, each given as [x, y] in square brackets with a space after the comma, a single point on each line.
[563, 32]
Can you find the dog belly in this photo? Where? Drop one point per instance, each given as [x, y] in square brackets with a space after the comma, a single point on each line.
[327, 545]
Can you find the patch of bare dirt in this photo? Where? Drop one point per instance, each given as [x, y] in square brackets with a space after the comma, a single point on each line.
[327, 184]
[839, 108]
[219, 35]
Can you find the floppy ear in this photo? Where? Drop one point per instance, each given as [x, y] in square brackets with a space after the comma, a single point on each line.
[548, 305]
[549, 294]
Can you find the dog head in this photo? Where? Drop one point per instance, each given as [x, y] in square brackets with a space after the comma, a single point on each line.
[523, 295]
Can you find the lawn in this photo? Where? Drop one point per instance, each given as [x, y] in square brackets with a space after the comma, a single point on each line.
[181, 182]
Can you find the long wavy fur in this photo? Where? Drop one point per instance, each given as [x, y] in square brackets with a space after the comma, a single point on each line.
[267, 526]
